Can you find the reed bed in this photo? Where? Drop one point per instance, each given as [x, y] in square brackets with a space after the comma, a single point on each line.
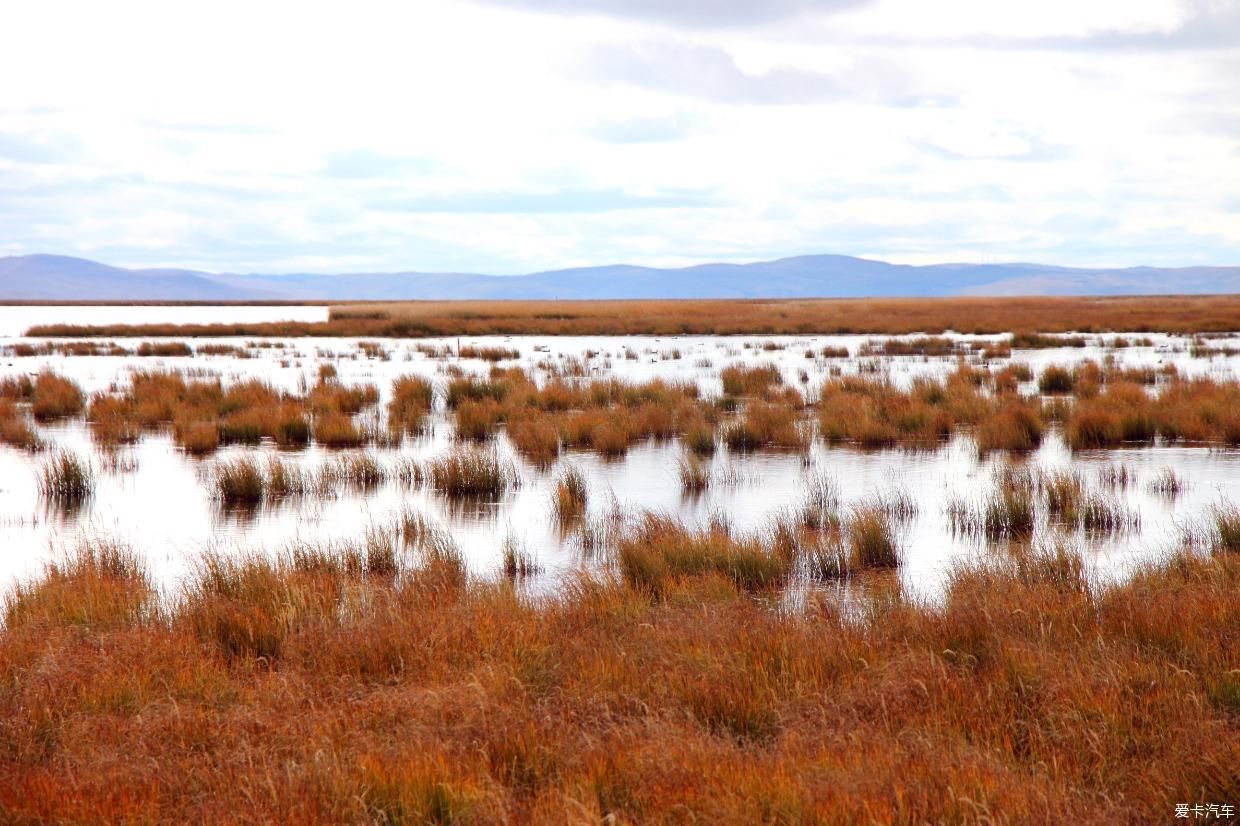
[871, 540]
[203, 414]
[872, 412]
[766, 425]
[1007, 512]
[311, 685]
[1028, 316]
[16, 388]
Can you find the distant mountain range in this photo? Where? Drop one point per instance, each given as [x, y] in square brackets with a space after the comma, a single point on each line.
[56, 277]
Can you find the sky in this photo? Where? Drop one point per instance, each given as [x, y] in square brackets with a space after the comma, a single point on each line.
[510, 136]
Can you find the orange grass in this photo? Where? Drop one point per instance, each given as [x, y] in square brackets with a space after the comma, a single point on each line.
[411, 402]
[15, 430]
[1183, 314]
[55, 397]
[317, 686]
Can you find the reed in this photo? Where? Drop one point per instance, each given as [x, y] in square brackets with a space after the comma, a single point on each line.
[1056, 379]
[1007, 511]
[14, 429]
[765, 425]
[569, 496]
[535, 439]
[337, 430]
[739, 380]
[890, 316]
[16, 388]
[163, 348]
[472, 473]
[871, 540]
[657, 551]
[410, 404]
[310, 686]
[1102, 513]
[695, 476]
[1167, 483]
[477, 421]
[517, 562]
[1226, 523]
[55, 397]
[239, 481]
[66, 478]
[97, 585]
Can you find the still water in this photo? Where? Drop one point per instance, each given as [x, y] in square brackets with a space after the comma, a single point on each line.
[154, 497]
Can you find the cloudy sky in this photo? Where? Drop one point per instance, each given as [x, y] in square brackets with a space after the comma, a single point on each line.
[516, 135]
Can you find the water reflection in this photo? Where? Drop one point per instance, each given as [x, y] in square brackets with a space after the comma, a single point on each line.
[155, 497]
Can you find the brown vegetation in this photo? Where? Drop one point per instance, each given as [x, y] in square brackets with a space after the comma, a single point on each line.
[374, 683]
[1174, 314]
[204, 414]
[15, 430]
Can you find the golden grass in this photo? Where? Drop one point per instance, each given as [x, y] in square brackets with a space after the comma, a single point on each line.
[1183, 314]
[55, 397]
[326, 685]
[15, 430]
[472, 473]
[570, 495]
[410, 404]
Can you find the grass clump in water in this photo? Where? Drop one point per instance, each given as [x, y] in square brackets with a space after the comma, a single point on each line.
[55, 397]
[66, 478]
[472, 473]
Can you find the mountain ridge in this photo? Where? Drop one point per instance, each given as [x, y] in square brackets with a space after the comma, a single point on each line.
[44, 277]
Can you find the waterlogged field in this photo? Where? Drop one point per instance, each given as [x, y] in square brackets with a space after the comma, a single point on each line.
[553, 579]
[703, 430]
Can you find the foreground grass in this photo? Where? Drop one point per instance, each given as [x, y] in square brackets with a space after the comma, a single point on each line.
[1183, 314]
[383, 685]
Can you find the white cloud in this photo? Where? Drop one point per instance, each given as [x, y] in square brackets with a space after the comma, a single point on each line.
[502, 137]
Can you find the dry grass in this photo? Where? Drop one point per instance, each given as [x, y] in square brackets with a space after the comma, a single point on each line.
[240, 482]
[1182, 314]
[66, 478]
[472, 473]
[695, 475]
[739, 380]
[410, 404]
[1184, 410]
[15, 430]
[55, 397]
[874, 413]
[657, 552]
[317, 686]
[765, 425]
[163, 348]
[570, 495]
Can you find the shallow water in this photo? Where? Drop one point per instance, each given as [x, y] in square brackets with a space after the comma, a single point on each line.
[157, 499]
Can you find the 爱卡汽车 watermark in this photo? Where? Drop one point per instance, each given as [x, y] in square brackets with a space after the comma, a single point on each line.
[1200, 811]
